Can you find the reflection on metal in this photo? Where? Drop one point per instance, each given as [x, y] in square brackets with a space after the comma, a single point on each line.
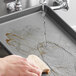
[62, 4]
[14, 6]
[18, 5]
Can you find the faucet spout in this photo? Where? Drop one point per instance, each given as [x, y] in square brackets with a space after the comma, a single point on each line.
[61, 4]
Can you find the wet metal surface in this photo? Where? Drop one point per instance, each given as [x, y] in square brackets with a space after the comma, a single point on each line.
[25, 36]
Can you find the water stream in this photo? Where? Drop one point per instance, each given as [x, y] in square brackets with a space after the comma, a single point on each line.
[44, 21]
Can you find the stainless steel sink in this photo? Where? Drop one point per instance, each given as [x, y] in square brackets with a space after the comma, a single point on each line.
[3, 11]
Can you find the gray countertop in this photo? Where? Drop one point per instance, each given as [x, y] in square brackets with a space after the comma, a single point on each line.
[69, 16]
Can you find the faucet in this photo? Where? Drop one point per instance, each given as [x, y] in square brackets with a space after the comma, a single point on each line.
[57, 4]
[14, 6]
[60, 4]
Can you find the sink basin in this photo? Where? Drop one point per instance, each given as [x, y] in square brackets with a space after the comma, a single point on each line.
[24, 35]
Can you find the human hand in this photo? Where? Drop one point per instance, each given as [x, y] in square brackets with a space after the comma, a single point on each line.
[14, 65]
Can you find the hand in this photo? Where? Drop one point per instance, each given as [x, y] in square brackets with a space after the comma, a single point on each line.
[17, 66]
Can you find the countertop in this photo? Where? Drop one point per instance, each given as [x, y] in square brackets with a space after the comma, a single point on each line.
[69, 16]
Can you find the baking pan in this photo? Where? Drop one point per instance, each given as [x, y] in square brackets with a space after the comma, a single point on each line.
[22, 33]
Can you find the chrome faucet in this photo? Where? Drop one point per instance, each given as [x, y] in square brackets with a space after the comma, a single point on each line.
[60, 4]
[14, 6]
[57, 4]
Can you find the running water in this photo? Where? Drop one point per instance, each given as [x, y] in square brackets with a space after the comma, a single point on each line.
[44, 22]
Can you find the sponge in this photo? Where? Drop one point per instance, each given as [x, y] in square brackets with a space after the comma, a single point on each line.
[39, 63]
